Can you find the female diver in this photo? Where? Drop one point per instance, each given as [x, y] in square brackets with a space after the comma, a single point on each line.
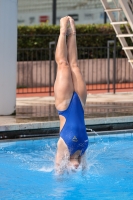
[70, 98]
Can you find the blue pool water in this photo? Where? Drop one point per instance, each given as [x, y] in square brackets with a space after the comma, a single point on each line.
[27, 171]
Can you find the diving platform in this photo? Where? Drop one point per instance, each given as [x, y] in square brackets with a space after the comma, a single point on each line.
[120, 12]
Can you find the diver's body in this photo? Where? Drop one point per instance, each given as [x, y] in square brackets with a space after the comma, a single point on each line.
[70, 97]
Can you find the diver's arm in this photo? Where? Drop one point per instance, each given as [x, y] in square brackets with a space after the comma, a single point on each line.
[58, 157]
[61, 158]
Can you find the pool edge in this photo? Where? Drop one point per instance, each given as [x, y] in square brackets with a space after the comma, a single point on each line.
[51, 128]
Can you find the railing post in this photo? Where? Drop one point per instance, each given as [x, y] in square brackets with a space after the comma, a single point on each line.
[54, 12]
[50, 58]
[114, 66]
[108, 65]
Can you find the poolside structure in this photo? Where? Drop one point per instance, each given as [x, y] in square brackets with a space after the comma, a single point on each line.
[121, 14]
[35, 12]
[8, 56]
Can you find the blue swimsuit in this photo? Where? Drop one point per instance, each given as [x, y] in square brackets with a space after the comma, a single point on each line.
[74, 132]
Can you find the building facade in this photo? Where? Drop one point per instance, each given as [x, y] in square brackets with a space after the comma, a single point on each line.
[34, 12]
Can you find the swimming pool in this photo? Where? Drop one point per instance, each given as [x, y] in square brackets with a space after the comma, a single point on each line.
[27, 171]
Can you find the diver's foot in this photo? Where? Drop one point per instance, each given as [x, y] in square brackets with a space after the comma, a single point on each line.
[64, 25]
[69, 30]
[72, 25]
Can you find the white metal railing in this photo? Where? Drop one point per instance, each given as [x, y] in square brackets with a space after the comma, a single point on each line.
[117, 19]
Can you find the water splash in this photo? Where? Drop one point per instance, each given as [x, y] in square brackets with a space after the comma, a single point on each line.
[96, 134]
[41, 157]
[91, 130]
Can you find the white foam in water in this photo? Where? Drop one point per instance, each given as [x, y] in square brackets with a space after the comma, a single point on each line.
[38, 160]
[43, 160]
[46, 169]
[91, 164]
[43, 165]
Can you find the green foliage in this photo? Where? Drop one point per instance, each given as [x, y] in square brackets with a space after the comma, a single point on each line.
[94, 35]
[31, 38]
[37, 36]
[40, 36]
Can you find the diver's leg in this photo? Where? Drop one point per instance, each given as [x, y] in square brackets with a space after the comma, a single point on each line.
[78, 81]
[63, 87]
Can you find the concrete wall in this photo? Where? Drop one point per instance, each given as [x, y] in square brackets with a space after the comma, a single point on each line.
[37, 73]
[8, 56]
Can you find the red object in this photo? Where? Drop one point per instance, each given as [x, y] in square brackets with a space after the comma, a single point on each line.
[44, 18]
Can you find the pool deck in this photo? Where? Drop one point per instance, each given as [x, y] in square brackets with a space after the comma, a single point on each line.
[40, 113]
